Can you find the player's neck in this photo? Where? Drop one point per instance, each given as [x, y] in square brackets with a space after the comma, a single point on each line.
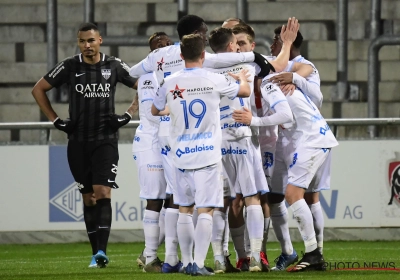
[294, 54]
[194, 64]
[92, 59]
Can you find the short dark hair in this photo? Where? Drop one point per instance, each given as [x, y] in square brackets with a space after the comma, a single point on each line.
[219, 38]
[88, 26]
[245, 28]
[188, 24]
[155, 35]
[235, 19]
[297, 42]
[192, 46]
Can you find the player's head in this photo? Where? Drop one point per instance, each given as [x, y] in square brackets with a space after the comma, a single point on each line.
[245, 37]
[191, 24]
[277, 43]
[222, 40]
[192, 47]
[159, 40]
[231, 22]
[89, 39]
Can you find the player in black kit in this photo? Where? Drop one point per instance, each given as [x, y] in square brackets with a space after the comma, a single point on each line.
[92, 128]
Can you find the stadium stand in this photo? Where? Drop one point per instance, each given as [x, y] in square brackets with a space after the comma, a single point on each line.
[23, 48]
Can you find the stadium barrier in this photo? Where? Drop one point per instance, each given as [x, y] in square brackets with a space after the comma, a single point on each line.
[41, 202]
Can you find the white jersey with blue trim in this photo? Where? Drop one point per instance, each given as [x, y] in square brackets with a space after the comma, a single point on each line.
[232, 130]
[271, 95]
[309, 128]
[193, 96]
[167, 60]
[146, 134]
[314, 76]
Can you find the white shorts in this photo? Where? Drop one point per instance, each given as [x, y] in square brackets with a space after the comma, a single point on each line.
[322, 179]
[169, 167]
[201, 186]
[305, 164]
[242, 166]
[151, 174]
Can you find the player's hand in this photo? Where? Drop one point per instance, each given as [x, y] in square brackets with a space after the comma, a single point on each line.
[64, 125]
[242, 116]
[289, 32]
[282, 78]
[288, 89]
[117, 121]
[243, 75]
[265, 66]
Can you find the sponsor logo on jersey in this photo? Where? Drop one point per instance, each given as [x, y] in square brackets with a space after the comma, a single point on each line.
[160, 64]
[202, 90]
[231, 70]
[173, 62]
[194, 136]
[147, 83]
[233, 151]
[165, 119]
[232, 125]
[155, 167]
[196, 149]
[394, 182]
[106, 73]
[93, 90]
[57, 70]
[165, 150]
[177, 92]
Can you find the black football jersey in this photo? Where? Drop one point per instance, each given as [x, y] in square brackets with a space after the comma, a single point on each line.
[91, 89]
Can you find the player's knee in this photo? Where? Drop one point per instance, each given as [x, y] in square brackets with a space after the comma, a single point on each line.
[154, 205]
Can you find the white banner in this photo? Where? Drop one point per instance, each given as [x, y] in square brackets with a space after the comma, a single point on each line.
[39, 193]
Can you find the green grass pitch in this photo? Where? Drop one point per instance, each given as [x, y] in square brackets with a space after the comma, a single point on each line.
[374, 260]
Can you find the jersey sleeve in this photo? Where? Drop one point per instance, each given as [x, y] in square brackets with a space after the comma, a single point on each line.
[221, 60]
[310, 88]
[160, 100]
[226, 86]
[143, 67]
[271, 93]
[59, 74]
[123, 73]
[282, 115]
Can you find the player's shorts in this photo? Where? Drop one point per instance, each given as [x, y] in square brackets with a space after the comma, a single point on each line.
[268, 149]
[305, 164]
[242, 167]
[322, 179]
[151, 174]
[169, 167]
[200, 186]
[93, 163]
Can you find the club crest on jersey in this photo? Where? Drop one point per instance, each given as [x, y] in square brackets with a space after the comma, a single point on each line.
[177, 92]
[394, 181]
[106, 73]
[160, 64]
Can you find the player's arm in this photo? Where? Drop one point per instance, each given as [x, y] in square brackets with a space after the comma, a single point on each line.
[143, 67]
[288, 35]
[243, 77]
[134, 106]
[310, 88]
[221, 60]
[159, 102]
[39, 93]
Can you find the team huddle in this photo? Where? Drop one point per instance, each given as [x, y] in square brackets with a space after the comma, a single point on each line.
[230, 135]
[224, 141]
